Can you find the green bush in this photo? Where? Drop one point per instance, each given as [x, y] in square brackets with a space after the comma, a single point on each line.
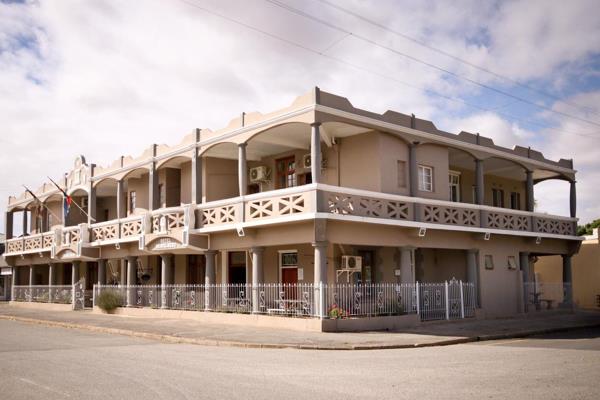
[108, 300]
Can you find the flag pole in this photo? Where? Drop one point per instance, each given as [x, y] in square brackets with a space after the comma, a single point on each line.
[41, 202]
[67, 196]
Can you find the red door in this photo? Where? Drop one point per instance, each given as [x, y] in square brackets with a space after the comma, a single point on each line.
[289, 275]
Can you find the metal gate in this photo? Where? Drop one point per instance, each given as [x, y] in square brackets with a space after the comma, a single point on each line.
[452, 299]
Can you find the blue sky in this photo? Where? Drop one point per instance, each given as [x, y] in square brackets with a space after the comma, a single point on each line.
[78, 77]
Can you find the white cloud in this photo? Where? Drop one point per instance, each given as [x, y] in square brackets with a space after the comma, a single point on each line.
[107, 78]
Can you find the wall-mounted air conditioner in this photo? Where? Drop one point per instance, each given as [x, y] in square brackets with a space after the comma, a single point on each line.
[352, 263]
[260, 174]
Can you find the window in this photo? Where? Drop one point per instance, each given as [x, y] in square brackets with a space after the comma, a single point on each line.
[401, 168]
[132, 201]
[512, 262]
[425, 178]
[515, 200]
[489, 261]
[286, 172]
[498, 197]
[454, 182]
[289, 259]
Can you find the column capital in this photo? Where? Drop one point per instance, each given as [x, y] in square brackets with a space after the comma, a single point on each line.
[131, 258]
[257, 249]
[243, 145]
[407, 248]
[211, 252]
[316, 124]
[319, 244]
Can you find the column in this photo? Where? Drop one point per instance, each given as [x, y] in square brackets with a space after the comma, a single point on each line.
[131, 279]
[527, 284]
[407, 274]
[8, 224]
[472, 272]
[31, 275]
[315, 152]
[479, 183]
[75, 272]
[257, 275]
[101, 272]
[529, 194]
[153, 195]
[24, 222]
[123, 272]
[50, 281]
[196, 177]
[573, 199]
[167, 278]
[567, 280]
[320, 277]
[413, 169]
[91, 205]
[209, 278]
[242, 169]
[120, 200]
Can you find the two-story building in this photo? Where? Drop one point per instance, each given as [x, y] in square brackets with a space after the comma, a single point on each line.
[319, 192]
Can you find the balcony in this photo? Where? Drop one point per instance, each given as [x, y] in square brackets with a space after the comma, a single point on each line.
[183, 224]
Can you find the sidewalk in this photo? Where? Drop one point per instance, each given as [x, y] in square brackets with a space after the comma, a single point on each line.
[189, 331]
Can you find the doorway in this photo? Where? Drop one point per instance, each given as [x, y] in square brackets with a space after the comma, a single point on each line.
[236, 272]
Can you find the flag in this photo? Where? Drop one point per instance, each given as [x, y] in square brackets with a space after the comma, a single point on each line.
[67, 205]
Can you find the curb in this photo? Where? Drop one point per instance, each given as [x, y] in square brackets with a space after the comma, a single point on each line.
[229, 343]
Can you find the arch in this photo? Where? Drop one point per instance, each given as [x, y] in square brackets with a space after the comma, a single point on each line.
[135, 172]
[227, 150]
[504, 168]
[281, 128]
[173, 161]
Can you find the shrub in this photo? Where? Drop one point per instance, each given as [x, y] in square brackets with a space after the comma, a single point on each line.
[108, 300]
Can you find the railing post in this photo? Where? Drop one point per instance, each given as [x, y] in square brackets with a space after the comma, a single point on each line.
[321, 301]
[94, 296]
[418, 298]
[447, 302]
[462, 301]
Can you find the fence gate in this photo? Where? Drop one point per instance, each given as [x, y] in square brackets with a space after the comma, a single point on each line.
[79, 295]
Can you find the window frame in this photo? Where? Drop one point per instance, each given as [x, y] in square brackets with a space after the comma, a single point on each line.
[421, 175]
[456, 174]
[132, 203]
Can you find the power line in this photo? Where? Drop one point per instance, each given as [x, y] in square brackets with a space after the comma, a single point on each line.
[461, 60]
[358, 67]
[428, 64]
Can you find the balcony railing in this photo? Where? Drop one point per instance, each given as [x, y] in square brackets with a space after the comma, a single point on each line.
[302, 202]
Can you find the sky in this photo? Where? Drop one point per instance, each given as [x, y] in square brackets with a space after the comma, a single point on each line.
[108, 78]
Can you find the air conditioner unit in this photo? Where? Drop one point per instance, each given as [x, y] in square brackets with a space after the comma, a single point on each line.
[352, 263]
[307, 161]
[260, 174]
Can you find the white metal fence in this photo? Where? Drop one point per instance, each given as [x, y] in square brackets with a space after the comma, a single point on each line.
[545, 295]
[62, 294]
[450, 300]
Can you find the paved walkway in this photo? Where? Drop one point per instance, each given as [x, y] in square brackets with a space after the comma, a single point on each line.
[189, 331]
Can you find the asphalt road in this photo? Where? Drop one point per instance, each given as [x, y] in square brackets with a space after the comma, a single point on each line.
[38, 362]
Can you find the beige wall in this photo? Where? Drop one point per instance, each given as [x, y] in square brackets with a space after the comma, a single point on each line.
[359, 162]
[220, 179]
[140, 186]
[436, 157]
[186, 183]
[392, 150]
[439, 265]
[585, 273]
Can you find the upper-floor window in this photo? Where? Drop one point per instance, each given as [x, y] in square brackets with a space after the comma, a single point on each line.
[498, 197]
[515, 200]
[401, 168]
[132, 201]
[286, 172]
[454, 183]
[425, 178]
